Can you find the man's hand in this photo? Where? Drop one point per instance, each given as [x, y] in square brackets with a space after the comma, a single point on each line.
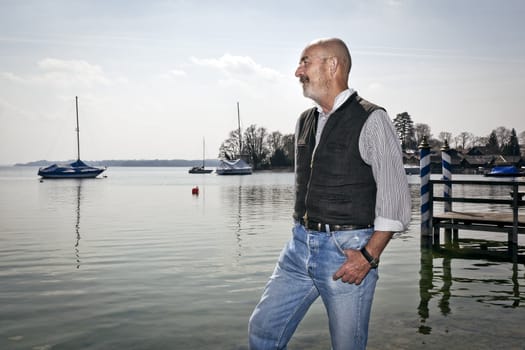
[355, 269]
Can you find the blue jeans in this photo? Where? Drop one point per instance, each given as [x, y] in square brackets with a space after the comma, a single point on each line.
[303, 273]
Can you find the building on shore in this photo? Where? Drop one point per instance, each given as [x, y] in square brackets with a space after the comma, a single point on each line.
[474, 161]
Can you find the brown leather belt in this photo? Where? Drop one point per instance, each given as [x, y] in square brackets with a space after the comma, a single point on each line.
[321, 227]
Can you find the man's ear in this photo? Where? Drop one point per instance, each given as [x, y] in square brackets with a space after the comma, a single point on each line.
[333, 64]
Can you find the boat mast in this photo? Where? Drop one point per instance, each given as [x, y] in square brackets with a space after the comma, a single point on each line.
[240, 136]
[203, 152]
[78, 130]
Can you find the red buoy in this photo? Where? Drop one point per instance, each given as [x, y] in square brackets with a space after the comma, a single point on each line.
[195, 190]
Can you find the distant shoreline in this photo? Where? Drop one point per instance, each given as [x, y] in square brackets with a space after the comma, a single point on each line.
[211, 163]
[145, 163]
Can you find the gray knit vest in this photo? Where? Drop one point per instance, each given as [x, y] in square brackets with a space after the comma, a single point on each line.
[334, 185]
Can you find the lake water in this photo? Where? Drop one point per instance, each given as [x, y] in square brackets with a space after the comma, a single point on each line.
[135, 261]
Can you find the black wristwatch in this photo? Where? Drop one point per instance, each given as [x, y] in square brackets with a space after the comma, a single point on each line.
[371, 260]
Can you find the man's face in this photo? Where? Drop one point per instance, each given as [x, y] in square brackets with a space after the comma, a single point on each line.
[313, 73]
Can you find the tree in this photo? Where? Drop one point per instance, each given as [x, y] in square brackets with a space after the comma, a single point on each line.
[445, 136]
[289, 147]
[464, 139]
[230, 148]
[514, 144]
[435, 144]
[275, 141]
[420, 131]
[279, 159]
[256, 145]
[479, 141]
[278, 144]
[492, 144]
[502, 135]
[259, 148]
[512, 148]
[405, 130]
[522, 139]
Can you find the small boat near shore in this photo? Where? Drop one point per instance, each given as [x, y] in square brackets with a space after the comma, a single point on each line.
[76, 170]
[505, 171]
[201, 169]
[237, 167]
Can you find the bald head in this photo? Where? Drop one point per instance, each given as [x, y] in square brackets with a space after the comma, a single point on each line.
[337, 48]
[323, 70]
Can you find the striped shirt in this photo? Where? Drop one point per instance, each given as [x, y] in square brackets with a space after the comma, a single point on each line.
[380, 148]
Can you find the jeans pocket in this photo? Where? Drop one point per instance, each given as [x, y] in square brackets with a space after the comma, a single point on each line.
[355, 239]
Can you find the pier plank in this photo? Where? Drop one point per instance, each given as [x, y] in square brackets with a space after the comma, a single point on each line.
[507, 221]
[492, 218]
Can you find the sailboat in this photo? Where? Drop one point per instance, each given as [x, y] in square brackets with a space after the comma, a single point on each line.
[201, 169]
[238, 166]
[76, 170]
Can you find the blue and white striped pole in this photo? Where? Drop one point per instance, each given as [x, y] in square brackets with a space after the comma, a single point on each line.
[447, 175]
[424, 173]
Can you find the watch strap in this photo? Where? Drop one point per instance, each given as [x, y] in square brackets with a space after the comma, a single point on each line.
[371, 260]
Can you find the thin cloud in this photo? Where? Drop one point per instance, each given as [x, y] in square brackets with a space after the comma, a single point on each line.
[239, 68]
[394, 3]
[12, 77]
[72, 72]
[9, 109]
[63, 73]
[430, 53]
[178, 72]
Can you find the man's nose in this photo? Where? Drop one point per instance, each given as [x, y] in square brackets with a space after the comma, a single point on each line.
[299, 71]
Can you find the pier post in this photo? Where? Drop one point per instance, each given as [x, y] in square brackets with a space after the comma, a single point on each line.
[426, 203]
[447, 175]
[513, 236]
[447, 186]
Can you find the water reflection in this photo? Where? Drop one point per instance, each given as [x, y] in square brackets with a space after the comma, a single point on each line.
[233, 198]
[438, 279]
[426, 287]
[254, 209]
[239, 220]
[77, 225]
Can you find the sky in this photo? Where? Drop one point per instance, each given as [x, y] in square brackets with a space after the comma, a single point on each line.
[155, 78]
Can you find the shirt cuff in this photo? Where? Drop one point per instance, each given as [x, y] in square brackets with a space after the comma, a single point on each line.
[385, 224]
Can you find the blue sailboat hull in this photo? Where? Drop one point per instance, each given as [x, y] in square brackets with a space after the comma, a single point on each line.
[505, 171]
[75, 170]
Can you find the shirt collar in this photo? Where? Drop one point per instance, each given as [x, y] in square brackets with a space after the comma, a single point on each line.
[338, 101]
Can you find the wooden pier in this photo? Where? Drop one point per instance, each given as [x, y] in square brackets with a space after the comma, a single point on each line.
[509, 222]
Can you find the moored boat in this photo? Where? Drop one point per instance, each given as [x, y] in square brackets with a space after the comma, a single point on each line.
[76, 170]
[505, 171]
[236, 167]
[201, 169]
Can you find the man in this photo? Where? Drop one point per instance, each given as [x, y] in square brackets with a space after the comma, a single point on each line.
[351, 196]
